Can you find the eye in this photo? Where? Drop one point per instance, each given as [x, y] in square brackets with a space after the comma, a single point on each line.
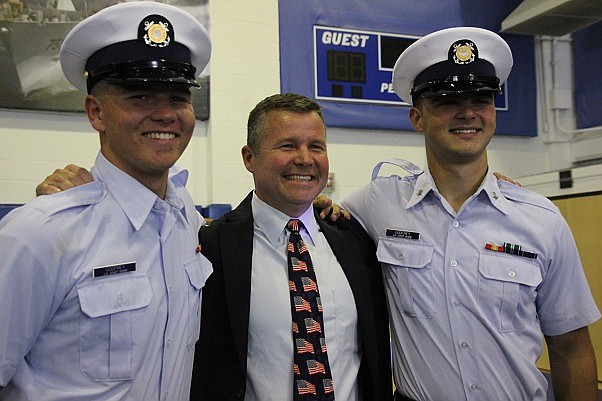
[482, 101]
[140, 96]
[181, 98]
[446, 101]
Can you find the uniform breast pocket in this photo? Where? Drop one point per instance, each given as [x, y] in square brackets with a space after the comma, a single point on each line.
[408, 272]
[106, 329]
[507, 290]
[198, 271]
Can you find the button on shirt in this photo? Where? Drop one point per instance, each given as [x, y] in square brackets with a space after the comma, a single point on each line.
[270, 348]
[467, 321]
[67, 335]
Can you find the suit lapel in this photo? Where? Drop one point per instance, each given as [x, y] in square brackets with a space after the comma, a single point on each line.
[236, 239]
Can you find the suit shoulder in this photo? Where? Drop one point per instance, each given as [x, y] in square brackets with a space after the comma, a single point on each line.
[349, 225]
[352, 226]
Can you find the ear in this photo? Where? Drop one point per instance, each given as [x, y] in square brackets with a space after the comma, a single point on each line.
[247, 158]
[416, 119]
[94, 112]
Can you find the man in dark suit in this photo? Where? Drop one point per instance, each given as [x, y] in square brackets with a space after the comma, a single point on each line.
[245, 350]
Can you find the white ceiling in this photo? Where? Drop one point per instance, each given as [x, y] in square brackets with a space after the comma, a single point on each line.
[552, 17]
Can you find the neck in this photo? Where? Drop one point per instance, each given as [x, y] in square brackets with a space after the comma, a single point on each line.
[457, 182]
[159, 187]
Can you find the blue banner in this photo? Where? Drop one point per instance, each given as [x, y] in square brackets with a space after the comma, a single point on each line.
[341, 53]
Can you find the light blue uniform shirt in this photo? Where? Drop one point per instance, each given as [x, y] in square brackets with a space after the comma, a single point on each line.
[467, 321]
[68, 335]
[270, 348]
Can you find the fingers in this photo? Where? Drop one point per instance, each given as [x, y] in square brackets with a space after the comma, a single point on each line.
[79, 175]
[46, 189]
[323, 203]
[502, 177]
[325, 212]
[62, 179]
[335, 212]
[340, 213]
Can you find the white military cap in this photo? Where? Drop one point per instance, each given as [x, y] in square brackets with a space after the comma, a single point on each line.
[452, 61]
[136, 42]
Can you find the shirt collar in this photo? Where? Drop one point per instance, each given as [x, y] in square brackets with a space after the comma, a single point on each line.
[272, 222]
[178, 175]
[426, 184]
[135, 199]
[492, 189]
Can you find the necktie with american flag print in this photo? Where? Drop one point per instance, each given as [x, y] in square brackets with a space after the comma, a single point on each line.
[312, 377]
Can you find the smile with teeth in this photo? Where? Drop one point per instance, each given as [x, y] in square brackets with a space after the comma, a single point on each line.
[464, 131]
[297, 177]
[159, 135]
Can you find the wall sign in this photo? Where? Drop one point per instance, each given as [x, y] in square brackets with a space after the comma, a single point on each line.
[342, 52]
[356, 66]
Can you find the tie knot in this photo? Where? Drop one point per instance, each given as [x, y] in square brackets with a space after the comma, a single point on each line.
[294, 225]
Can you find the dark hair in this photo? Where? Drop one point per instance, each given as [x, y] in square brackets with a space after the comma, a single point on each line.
[256, 127]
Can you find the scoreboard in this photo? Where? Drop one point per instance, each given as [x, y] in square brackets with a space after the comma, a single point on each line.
[355, 66]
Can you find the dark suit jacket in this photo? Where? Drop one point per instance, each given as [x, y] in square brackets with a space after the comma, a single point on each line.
[220, 365]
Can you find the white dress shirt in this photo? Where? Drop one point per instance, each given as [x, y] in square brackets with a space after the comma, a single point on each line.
[270, 349]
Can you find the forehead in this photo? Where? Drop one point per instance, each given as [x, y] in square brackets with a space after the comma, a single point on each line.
[283, 121]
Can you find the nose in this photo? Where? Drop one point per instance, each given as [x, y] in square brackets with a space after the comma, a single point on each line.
[303, 156]
[466, 110]
[164, 111]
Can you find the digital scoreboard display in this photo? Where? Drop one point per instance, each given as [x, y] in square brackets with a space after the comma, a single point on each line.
[356, 66]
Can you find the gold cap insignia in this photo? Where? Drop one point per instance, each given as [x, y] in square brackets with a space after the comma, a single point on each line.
[464, 52]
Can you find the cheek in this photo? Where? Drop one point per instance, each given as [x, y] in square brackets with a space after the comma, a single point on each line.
[323, 163]
[187, 116]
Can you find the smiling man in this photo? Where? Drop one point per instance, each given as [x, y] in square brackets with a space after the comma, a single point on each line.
[248, 348]
[101, 285]
[475, 269]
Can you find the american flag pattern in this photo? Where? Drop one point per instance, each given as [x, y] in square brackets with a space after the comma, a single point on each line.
[312, 326]
[313, 379]
[309, 284]
[328, 387]
[305, 387]
[304, 346]
[298, 265]
[315, 367]
[301, 304]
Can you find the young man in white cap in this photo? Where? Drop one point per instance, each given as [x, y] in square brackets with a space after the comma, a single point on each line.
[101, 286]
[475, 269]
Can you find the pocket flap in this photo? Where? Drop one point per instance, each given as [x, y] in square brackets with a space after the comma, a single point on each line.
[109, 296]
[404, 253]
[198, 270]
[511, 269]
